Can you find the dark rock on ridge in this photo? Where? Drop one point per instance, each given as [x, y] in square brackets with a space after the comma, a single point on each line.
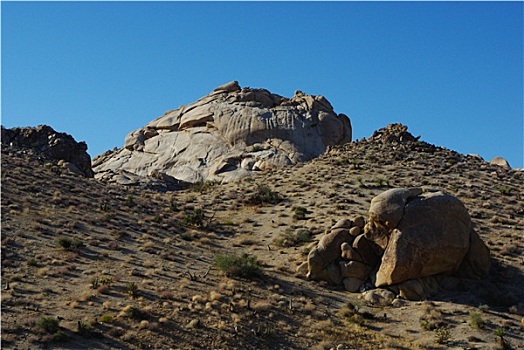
[56, 146]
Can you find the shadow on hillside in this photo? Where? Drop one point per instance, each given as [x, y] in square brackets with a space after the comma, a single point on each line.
[501, 290]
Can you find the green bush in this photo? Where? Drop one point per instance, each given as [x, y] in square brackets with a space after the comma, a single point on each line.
[299, 213]
[106, 318]
[69, 243]
[291, 239]
[49, 324]
[132, 289]
[475, 320]
[442, 335]
[194, 218]
[136, 314]
[264, 195]
[244, 266]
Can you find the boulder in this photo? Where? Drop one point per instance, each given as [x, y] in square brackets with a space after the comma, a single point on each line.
[388, 207]
[368, 251]
[432, 238]
[192, 142]
[354, 269]
[326, 252]
[500, 162]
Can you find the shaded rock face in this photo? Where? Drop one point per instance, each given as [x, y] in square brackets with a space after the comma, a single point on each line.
[410, 240]
[227, 134]
[56, 146]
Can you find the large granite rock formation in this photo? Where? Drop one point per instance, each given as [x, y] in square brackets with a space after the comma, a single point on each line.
[225, 135]
[53, 145]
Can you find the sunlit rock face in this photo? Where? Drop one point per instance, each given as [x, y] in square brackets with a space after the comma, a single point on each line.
[225, 136]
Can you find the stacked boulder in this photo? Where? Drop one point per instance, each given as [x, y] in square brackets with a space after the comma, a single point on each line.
[410, 240]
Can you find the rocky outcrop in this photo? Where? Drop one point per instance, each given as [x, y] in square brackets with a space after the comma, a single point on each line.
[410, 240]
[228, 134]
[53, 145]
[500, 162]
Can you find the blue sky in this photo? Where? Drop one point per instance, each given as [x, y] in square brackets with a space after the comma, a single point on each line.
[451, 71]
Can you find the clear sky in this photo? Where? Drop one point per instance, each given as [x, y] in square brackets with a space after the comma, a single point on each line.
[451, 71]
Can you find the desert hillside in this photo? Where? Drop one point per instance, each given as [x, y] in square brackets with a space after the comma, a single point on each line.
[94, 265]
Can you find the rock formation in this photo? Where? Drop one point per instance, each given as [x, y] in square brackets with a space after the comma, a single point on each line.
[410, 239]
[225, 135]
[56, 146]
[500, 162]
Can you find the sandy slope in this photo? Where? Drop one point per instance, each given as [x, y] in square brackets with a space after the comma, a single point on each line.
[133, 237]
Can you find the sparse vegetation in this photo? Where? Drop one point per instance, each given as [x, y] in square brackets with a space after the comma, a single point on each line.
[132, 289]
[352, 314]
[299, 213]
[48, 324]
[432, 319]
[67, 243]
[475, 320]
[204, 186]
[264, 195]
[244, 266]
[195, 218]
[177, 283]
[442, 335]
[106, 318]
[135, 313]
[292, 238]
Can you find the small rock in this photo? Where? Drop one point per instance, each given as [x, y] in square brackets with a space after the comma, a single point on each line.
[355, 231]
[193, 323]
[359, 221]
[343, 223]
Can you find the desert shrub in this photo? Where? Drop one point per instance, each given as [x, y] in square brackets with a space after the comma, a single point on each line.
[299, 213]
[352, 314]
[130, 200]
[32, 262]
[135, 313]
[85, 328]
[245, 266]
[106, 318]
[49, 324]
[202, 187]
[499, 332]
[194, 218]
[442, 335]
[432, 319]
[505, 191]
[187, 236]
[475, 320]
[132, 289]
[290, 238]
[69, 243]
[264, 195]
